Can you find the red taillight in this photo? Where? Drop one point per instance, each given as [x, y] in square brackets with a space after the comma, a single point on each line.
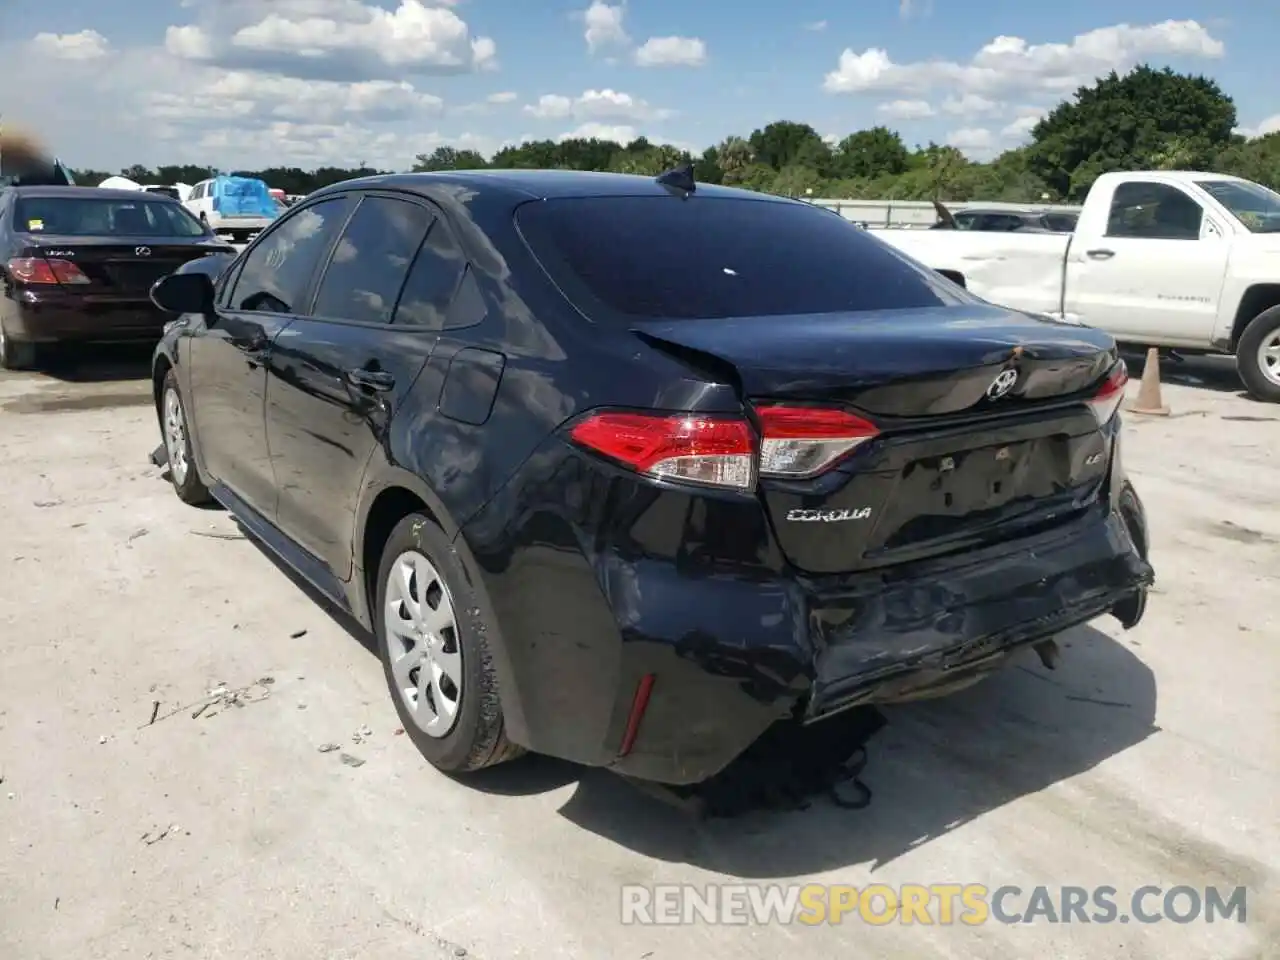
[794, 443]
[1107, 400]
[712, 451]
[37, 270]
[801, 442]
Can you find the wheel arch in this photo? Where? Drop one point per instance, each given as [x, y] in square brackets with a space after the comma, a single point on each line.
[391, 493]
[1257, 299]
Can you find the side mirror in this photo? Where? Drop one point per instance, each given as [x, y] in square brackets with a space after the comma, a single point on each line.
[183, 293]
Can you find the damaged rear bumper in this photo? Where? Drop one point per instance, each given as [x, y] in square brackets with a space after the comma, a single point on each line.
[942, 626]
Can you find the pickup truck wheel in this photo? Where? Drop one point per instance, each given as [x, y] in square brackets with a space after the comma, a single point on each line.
[1258, 356]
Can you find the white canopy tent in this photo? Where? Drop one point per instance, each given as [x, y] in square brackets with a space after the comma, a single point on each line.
[119, 183]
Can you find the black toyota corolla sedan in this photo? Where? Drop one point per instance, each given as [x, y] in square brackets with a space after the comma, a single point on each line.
[77, 265]
[629, 470]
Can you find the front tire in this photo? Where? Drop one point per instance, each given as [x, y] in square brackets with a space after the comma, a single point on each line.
[1258, 356]
[435, 654]
[183, 473]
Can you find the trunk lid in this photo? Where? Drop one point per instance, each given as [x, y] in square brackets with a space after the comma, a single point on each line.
[118, 266]
[957, 463]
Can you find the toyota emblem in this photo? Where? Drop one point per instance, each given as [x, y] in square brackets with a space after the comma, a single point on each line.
[1002, 384]
[142, 251]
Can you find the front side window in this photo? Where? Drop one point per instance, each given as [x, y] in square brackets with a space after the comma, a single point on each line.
[1251, 203]
[371, 261]
[69, 216]
[277, 272]
[1153, 211]
[711, 257]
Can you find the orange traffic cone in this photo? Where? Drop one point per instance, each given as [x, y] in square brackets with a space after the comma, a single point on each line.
[1148, 401]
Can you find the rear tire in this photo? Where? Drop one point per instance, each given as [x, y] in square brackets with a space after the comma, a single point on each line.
[183, 472]
[1258, 356]
[432, 639]
[16, 354]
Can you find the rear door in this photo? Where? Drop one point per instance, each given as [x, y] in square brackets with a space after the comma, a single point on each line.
[339, 374]
[228, 354]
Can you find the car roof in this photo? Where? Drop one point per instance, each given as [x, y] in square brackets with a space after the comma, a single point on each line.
[518, 186]
[97, 193]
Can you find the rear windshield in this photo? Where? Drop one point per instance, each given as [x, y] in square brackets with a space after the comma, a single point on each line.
[712, 257]
[95, 217]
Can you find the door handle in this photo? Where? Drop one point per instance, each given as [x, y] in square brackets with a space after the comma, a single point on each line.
[377, 380]
[1100, 254]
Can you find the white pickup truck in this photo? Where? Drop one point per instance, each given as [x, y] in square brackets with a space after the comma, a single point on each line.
[1189, 261]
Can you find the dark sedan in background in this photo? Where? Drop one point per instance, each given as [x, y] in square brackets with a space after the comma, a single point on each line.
[77, 265]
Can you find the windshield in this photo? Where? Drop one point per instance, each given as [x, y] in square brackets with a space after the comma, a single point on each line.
[711, 257]
[68, 216]
[1252, 204]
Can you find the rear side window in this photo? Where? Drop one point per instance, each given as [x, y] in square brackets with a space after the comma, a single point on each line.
[98, 217]
[712, 257]
[277, 272]
[435, 276]
[371, 261]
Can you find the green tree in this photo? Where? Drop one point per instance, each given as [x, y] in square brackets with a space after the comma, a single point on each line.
[1132, 122]
[870, 153]
[1257, 160]
[784, 142]
[449, 158]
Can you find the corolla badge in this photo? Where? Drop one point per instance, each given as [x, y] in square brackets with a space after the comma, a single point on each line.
[1002, 384]
[828, 516]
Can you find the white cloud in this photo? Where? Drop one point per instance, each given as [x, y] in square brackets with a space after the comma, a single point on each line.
[672, 52]
[85, 45]
[619, 133]
[1019, 129]
[239, 94]
[1269, 125]
[603, 26]
[817, 26]
[505, 96]
[906, 110]
[977, 143]
[153, 107]
[1009, 64]
[310, 145]
[972, 105]
[907, 9]
[413, 35]
[189, 42]
[595, 105]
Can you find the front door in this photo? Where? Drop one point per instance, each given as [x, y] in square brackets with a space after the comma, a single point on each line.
[1156, 274]
[228, 358]
[338, 375]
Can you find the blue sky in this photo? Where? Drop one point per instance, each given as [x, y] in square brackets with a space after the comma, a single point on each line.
[243, 83]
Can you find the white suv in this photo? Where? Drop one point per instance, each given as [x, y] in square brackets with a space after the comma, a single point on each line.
[206, 203]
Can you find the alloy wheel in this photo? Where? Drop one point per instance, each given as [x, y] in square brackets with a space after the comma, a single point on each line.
[422, 643]
[175, 436]
[1269, 356]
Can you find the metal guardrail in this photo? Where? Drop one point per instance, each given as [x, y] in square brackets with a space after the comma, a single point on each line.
[919, 213]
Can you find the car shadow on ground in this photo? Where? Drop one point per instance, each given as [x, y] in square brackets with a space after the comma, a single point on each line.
[96, 363]
[936, 766]
[1205, 372]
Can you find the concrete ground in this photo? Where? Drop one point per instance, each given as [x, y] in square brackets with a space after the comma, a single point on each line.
[1147, 758]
